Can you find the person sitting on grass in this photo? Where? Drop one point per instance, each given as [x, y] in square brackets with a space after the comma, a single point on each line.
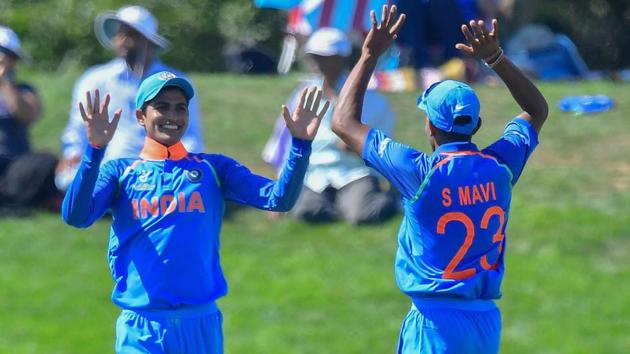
[338, 186]
[27, 178]
[167, 209]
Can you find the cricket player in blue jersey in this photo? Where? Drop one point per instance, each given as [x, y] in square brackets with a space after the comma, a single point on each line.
[451, 243]
[167, 208]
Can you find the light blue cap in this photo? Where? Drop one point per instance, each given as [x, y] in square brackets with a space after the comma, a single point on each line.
[446, 100]
[152, 85]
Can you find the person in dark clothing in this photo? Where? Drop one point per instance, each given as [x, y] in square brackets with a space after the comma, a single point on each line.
[26, 178]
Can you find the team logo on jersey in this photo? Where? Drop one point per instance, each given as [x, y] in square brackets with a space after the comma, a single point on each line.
[144, 176]
[142, 184]
[194, 175]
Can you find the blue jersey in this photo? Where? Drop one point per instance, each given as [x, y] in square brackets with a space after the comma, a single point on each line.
[167, 210]
[456, 207]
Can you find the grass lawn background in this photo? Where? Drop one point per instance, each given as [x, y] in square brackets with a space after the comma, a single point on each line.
[297, 288]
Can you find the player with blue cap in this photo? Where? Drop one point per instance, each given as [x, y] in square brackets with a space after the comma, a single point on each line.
[167, 207]
[447, 102]
[456, 200]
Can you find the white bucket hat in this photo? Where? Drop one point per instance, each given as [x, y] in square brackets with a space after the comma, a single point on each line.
[10, 41]
[328, 41]
[137, 17]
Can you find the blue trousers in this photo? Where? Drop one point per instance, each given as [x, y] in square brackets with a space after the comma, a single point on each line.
[153, 332]
[443, 329]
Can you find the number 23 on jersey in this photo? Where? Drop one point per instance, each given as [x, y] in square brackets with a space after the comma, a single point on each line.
[451, 272]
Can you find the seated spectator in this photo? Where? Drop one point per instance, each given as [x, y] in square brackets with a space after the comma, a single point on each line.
[132, 33]
[337, 185]
[26, 178]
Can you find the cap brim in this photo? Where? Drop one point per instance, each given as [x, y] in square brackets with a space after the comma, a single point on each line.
[182, 84]
[421, 104]
[178, 82]
[106, 26]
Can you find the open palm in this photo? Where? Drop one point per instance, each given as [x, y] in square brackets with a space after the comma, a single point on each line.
[100, 130]
[305, 120]
[381, 36]
[482, 44]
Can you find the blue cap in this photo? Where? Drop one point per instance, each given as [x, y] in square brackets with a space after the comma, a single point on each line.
[152, 85]
[446, 100]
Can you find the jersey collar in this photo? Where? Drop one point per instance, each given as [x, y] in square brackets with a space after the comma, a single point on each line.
[456, 147]
[153, 150]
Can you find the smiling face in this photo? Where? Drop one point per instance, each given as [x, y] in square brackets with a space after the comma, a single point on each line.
[165, 118]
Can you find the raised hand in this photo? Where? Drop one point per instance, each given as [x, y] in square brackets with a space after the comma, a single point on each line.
[100, 130]
[483, 45]
[305, 120]
[382, 36]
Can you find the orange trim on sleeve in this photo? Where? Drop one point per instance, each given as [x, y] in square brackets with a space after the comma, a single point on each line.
[154, 150]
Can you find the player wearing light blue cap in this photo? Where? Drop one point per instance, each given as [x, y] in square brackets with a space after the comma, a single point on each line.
[167, 208]
[451, 243]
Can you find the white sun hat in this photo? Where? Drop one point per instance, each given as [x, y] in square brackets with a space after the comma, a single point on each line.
[137, 17]
[328, 41]
[10, 41]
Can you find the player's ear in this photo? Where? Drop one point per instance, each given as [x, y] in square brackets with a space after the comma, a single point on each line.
[429, 128]
[140, 117]
[477, 127]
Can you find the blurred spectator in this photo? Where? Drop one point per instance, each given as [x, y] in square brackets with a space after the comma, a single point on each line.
[427, 41]
[26, 178]
[338, 185]
[430, 33]
[132, 34]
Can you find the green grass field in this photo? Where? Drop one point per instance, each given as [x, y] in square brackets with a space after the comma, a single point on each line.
[330, 289]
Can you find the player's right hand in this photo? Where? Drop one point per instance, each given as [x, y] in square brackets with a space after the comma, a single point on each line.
[381, 37]
[100, 130]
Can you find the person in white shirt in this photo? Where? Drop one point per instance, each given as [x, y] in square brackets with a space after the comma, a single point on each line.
[132, 33]
[337, 185]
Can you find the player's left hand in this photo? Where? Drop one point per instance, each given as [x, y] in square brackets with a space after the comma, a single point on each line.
[382, 36]
[482, 44]
[305, 120]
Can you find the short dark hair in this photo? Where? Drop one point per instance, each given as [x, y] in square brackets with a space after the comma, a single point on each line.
[453, 137]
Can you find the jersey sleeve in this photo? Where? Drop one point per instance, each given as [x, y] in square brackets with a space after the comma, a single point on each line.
[514, 147]
[402, 165]
[239, 184]
[91, 191]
